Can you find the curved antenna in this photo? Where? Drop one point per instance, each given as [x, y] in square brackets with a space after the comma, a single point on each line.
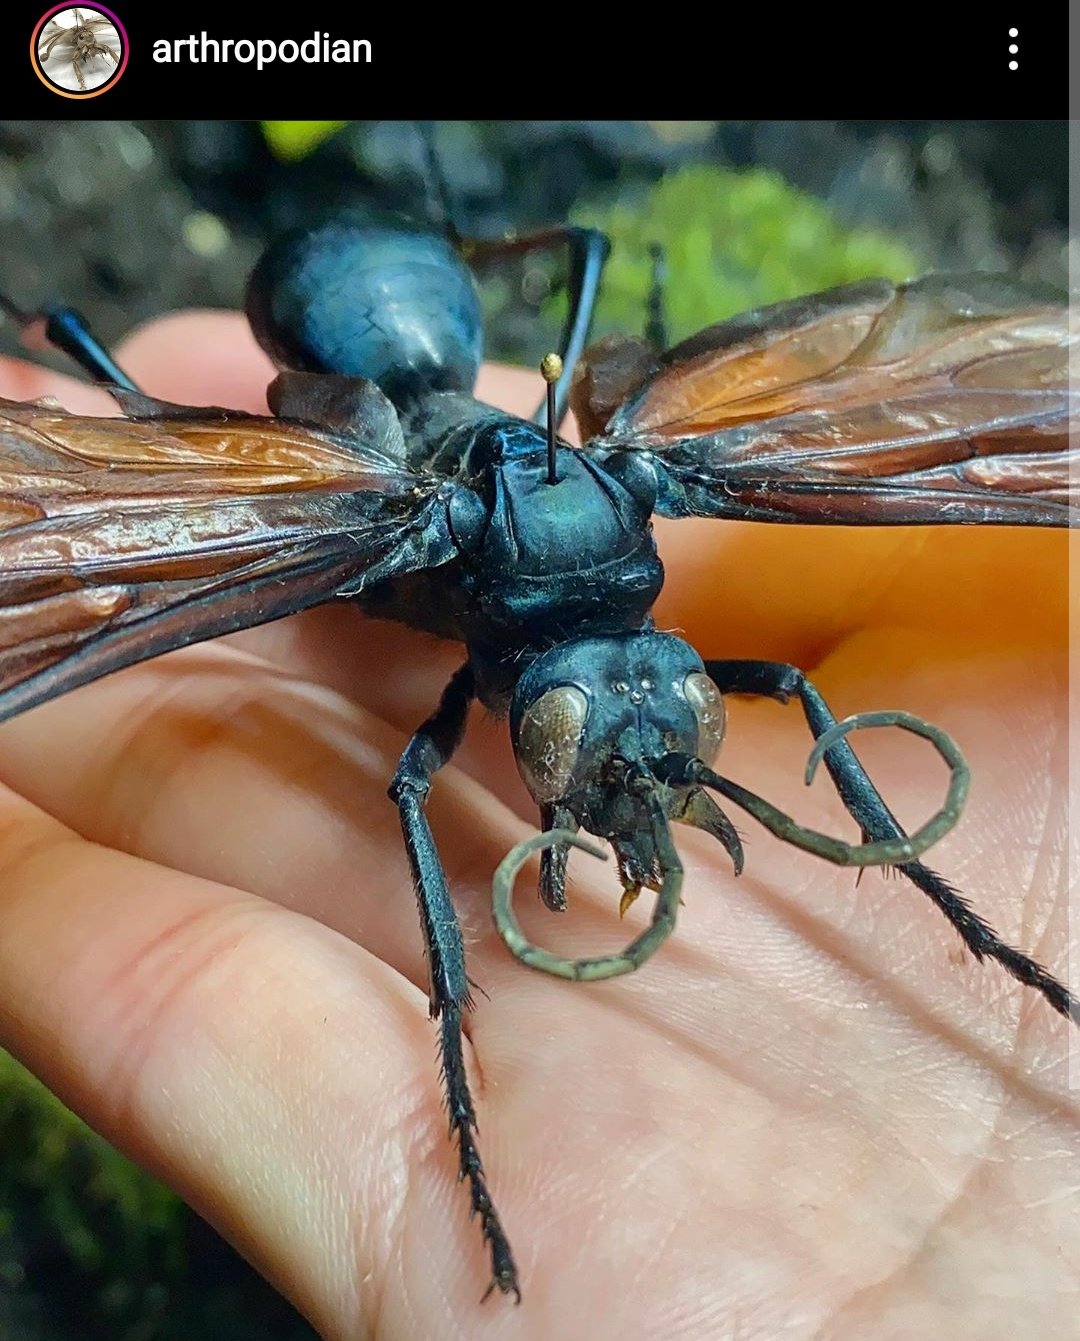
[882, 852]
[633, 955]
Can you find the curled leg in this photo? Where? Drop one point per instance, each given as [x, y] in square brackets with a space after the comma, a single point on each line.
[778, 680]
[56, 37]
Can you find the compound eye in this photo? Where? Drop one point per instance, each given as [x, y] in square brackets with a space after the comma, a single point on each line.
[708, 705]
[549, 742]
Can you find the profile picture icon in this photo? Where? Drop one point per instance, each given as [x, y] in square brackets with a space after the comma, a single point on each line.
[79, 51]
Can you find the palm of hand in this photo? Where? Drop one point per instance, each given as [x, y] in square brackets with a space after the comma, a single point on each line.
[809, 1115]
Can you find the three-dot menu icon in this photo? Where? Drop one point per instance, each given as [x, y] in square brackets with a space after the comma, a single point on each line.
[1014, 49]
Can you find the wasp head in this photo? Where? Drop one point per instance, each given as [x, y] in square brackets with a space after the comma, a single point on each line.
[595, 724]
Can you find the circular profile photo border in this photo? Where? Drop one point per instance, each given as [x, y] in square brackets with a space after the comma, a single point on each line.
[125, 47]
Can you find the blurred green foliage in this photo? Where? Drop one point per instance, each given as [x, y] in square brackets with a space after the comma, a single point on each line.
[49, 1142]
[732, 241]
[91, 1247]
[293, 140]
[70, 1206]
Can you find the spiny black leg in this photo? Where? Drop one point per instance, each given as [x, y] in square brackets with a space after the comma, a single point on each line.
[588, 250]
[67, 330]
[428, 750]
[776, 679]
[463, 1121]
[424, 755]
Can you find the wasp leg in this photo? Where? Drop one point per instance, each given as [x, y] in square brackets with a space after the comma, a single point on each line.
[68, 330]
[778, 680]
[425, 754]
[588, 249]
[63, 32]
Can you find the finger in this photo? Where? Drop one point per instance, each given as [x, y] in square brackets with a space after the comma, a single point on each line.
[794, 593]
[199, 358]
[274, 1074]
[247, 777]
[20, 380]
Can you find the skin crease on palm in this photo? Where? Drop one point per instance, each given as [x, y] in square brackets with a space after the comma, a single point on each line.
[810, 1115]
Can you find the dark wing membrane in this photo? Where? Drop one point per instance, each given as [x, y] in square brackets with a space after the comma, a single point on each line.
[121, 539]
[943, 400]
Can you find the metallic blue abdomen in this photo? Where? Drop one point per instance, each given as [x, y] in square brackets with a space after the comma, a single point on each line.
[372, 301]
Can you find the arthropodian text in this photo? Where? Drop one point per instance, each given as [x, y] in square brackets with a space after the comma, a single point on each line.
[318, 49]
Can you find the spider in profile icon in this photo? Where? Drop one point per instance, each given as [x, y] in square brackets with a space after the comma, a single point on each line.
[82, 45]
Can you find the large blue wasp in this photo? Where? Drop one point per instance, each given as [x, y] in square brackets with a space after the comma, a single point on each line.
[379, 479]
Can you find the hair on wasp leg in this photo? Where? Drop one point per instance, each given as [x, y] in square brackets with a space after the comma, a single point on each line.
[381, 480]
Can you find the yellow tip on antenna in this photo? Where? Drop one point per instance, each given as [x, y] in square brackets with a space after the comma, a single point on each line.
[551, 367]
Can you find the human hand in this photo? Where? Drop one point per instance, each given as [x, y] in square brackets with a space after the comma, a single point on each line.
[809, 1115]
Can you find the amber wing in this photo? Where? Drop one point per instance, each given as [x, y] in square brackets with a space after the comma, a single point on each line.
[943, 400]
[124, 538]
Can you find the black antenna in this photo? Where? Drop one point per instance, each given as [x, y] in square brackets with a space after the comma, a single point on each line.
[551, 367]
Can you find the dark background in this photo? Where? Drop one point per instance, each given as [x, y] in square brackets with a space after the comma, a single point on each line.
[948, 59]
[128, 219]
